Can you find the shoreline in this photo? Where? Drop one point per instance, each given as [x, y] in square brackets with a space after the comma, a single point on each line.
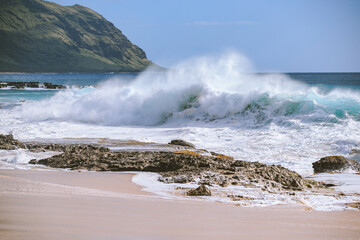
[181, 168]
[74, 206]
[115, 182]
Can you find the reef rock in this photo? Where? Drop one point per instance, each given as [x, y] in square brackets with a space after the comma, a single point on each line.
[180, 142]
[179, 167]
[183, 166]
[200, 191]
[8, 142]
[239, 198]
[22, 85]
[354, 205]
[335, 164]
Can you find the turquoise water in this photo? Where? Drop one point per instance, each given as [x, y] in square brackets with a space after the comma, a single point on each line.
[330, 79]
[80, 79]
[69, 79]
[324, 97]
[326, 82]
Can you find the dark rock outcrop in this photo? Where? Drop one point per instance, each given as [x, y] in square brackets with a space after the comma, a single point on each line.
[8, 142]
[239, 198]
[22, 85]
[183, 143]
[354, 205]
[179, 167]
[202, 190]
[224, 172]
[174, 167]
[335, 164]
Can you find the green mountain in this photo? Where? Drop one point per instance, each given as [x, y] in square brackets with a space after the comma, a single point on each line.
[40, 36]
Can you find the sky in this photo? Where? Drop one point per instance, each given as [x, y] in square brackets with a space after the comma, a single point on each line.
[277, 35]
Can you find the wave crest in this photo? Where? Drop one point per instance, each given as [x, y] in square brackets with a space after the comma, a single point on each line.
[207, 89]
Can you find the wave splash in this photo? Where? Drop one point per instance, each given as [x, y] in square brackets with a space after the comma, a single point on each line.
[201, 90]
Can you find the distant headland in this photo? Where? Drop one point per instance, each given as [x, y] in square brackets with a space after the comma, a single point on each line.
[41, 36]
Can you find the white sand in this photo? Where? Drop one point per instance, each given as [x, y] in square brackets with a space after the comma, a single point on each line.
[85, 205]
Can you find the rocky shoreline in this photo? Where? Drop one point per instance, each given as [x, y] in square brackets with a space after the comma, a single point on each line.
[22, 85]
[180, 162]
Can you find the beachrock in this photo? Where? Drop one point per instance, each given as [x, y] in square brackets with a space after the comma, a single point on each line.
[354, 205]
[8, 142]
[239, 198]
[205, 177]
[183, 143]
[178, 167]
[220, 155]
[85, 156]
[273, 178]
[202, 190]
[335, 164]
[174, 167]
[183, 178]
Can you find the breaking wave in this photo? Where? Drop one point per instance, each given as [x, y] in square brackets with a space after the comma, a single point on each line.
[202, 90]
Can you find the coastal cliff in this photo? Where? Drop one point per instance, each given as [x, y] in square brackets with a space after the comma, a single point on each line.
[40, 36]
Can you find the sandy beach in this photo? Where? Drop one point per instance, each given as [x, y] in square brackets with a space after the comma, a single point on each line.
[91, 205]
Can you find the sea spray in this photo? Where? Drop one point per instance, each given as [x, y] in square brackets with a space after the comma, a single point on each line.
[204, 90]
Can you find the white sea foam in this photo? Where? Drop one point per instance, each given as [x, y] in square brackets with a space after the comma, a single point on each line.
[19, 158]
[202, 90]
[328, 201]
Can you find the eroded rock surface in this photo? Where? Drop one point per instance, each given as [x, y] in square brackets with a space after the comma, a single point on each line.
[8, 142]
[180, 142]
[354, 205]
[202, 190]
[180, 167]
[21, 85]
[173, 166]
[225, 172]
[335, 164]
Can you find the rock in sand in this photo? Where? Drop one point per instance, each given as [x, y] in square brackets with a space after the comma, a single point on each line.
[200, 191]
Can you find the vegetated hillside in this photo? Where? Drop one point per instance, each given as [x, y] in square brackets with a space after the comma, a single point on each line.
[40, 36]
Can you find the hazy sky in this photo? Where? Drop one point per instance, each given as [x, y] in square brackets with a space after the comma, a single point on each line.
[278, 35]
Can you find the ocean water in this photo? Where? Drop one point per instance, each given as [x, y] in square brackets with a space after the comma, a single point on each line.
[217, 103]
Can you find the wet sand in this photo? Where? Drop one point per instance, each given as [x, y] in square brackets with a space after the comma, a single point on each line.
[89, 205]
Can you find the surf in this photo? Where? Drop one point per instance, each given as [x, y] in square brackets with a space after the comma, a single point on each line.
[204, 90]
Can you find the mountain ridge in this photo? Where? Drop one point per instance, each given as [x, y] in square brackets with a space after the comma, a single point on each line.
[41, 36]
